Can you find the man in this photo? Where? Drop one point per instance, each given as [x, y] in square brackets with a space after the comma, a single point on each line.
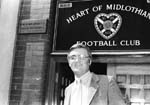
[89, 88]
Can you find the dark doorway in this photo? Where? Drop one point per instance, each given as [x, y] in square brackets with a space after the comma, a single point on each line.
[99, 68]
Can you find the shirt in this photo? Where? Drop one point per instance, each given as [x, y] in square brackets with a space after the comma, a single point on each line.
[85, 83]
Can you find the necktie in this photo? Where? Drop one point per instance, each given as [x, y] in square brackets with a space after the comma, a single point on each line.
[76, 98]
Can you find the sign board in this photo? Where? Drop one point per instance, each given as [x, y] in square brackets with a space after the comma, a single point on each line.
[32, 26]
[103, 25]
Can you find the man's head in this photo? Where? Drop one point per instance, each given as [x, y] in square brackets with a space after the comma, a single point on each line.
[79, 59]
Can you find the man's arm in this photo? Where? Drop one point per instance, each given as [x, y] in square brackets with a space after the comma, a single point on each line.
[114, 94]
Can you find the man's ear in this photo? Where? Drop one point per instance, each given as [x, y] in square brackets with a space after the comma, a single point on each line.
[89, 61]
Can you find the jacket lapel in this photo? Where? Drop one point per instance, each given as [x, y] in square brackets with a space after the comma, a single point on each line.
[92, 90]
[68, 95]
[93, 87]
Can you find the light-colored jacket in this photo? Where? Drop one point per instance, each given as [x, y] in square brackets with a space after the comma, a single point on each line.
[103, 91]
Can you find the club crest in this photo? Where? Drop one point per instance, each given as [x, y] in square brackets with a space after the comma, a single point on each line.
[107, 25]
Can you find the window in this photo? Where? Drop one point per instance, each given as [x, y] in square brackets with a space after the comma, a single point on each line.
[134, 82]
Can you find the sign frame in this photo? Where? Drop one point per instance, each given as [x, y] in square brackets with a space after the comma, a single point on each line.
[95, 52]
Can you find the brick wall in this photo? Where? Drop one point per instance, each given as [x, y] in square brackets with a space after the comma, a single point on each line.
[31, 55]
[30, 65]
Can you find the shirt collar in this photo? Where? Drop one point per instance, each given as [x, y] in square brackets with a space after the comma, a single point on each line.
[86, 78]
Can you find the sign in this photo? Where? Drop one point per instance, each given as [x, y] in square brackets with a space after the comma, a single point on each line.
[32, 26]
[103, 25]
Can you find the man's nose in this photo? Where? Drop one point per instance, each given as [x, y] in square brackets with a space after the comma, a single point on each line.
[77, 59]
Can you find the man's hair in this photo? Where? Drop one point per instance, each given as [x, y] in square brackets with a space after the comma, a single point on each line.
[79, 45]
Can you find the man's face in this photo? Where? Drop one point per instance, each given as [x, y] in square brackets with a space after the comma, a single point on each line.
[79, 61]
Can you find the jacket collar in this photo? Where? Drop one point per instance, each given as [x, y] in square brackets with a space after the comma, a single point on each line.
[93, 87]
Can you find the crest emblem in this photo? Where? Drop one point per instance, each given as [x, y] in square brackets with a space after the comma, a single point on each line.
[107, 25]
